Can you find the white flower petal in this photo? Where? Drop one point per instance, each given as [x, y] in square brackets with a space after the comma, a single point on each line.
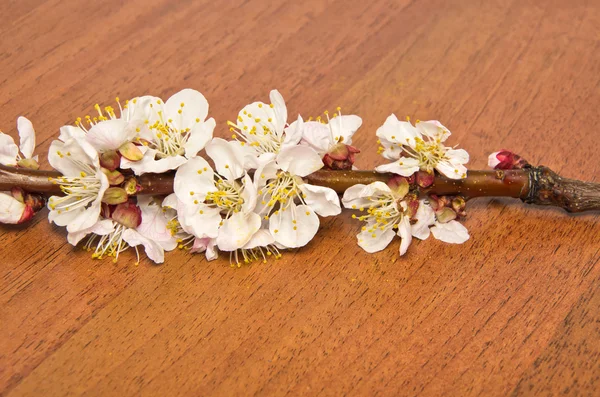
[425, 218]
[316, 135]
[261, 238]
[200, 135]
[249, 194]
[207, 245]
[237, 230]
[457, 156]
[353, 199]
[344, 127]
[154, 223]
[8, 150]
[299, 160]
[323, 200]
[452, 232]
[228, 157]
[293, 133]
[67, 157]
[405, 234]
[26, 136]
[452, 171]
[493, 160]
[149, 164]
[153, 250]
[110, 134]
[200, 220]
[404, 166]
[433, 129]
[68, 131]
[11, 209]
[193, 181]
[171, 201]
[101, 228]
[396, 131]
[195, 107]
[279, 109]
[266, 171]
[294, 234]
[374, 241]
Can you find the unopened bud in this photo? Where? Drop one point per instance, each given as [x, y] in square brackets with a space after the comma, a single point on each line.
[35, 201]
[131, 186]
[340, 157]
[28, 163]
[424, 179]
[28, 213]
[131, 152]
[506, 160]
[127, 214]
[114, 195]
[114, 177]
[445, 215]
[458, 205]
[110, 160]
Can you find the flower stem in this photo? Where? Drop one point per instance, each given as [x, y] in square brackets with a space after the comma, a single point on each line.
[533, 185]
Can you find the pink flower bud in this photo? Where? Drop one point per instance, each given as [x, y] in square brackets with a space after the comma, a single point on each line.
[28, 213]
[340, 157]
[506, 160]
[127, 214]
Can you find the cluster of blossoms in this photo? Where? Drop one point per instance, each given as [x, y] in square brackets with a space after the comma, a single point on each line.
[247, 196]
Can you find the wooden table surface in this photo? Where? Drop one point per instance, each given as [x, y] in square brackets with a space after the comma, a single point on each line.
[515, 310]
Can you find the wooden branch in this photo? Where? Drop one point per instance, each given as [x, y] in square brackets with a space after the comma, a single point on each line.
[533, 185]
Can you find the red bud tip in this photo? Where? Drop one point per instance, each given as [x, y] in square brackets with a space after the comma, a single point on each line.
[28, 213]
[340, 157]
[506, 160]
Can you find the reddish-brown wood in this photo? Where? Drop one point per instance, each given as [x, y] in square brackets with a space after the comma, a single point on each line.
[514, 310]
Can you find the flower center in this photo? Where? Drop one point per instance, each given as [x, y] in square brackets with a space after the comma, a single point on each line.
[383, 212]
[228, 197]
[282, 190]
[257, 132]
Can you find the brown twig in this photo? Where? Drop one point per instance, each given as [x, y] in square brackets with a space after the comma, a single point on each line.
[533, 185]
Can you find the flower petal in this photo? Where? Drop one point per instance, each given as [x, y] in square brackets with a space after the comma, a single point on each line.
[261, 238]
[295, 226]
[68, 131]
[452, 171]
[228, 157]
[452, 232]
[323, 200]
[200, 135]
[27, 136]
[344, 127]
[249, 194]
[353, 199]
[193, 111]
[316, 135]
[266, 170]
[8, 150]
[193, 181]
[154, 250]
[110, 134]
[154, 223]
[206, 245]
[68, 157]
[425, 218]
[374, 241]
[200, 220]
[279, 109]
[299, 160]
[11, 209]
[149, 164]
[405, 234]
[433, 129]
[237, 230]
[293, 133]
[101, 228]
[396, 131]
[404, 166]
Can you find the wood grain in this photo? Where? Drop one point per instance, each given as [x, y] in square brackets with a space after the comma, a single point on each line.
[515, 310]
